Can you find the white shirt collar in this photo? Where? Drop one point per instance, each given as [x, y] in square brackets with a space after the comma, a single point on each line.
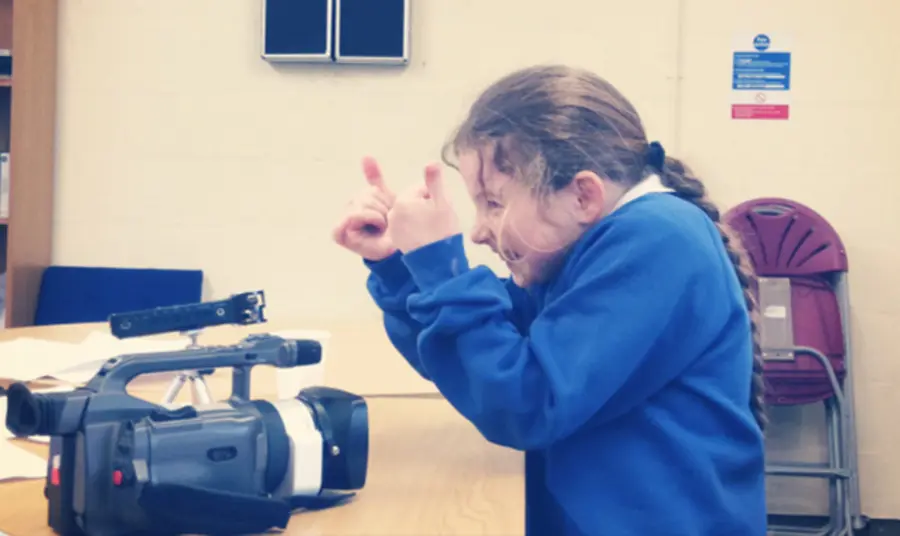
[651, 184]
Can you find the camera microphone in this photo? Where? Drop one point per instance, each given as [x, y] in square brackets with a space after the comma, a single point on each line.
[240, 309]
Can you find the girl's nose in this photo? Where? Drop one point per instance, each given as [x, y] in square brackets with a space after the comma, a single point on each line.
[480, 233]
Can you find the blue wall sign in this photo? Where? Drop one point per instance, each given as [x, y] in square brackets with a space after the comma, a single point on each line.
[769, 71]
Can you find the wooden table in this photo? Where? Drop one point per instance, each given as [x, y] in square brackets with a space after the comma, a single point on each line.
[430, 471]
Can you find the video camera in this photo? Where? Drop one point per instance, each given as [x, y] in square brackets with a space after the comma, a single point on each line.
[121, 465]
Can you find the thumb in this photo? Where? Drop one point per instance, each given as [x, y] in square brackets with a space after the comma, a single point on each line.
[434, 182]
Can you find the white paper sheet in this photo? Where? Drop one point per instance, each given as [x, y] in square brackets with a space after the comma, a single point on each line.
[16, 462]
[27, 359]
[102, 341]
[4, 433]
[102, 346]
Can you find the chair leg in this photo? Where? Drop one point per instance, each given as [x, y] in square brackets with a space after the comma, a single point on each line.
[840, 506]
[858, 520]
[838, 469]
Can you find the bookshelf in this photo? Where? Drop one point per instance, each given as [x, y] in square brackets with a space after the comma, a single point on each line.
[28, 29]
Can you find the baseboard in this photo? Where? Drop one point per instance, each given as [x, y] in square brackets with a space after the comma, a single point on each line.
[883, 527]
[874, 527]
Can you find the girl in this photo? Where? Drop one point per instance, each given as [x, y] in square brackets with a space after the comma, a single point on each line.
[620, 355]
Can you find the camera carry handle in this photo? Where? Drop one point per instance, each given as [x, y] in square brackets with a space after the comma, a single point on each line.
[257, 349]
[189, 319]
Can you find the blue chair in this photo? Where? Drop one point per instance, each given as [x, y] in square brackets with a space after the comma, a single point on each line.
[75, 294]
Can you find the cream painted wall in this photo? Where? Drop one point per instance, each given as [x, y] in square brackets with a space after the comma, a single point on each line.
[180, 147]
[837, 154]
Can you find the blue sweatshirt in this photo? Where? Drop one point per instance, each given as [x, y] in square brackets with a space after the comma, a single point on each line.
[626, 377]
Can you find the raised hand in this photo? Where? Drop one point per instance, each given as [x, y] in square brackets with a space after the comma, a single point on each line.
[423, 215]
[363, 230]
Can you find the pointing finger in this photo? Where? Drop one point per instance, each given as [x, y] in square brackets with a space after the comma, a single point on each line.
[373, 174]
[434, 183]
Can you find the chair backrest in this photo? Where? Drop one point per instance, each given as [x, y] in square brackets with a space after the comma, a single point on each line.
[794, 253]
[785, 238]
[74, 294]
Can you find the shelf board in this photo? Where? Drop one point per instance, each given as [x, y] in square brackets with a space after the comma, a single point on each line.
[5, 81]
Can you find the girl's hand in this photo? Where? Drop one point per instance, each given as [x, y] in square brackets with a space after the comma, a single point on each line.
[423, 215]
[364, 227]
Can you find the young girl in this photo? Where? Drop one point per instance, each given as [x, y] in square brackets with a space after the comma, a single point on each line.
[620, 355]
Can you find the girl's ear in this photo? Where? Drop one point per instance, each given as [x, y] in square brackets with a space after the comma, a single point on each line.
[590, 196]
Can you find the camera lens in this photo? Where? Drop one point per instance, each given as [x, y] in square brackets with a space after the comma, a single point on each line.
[354, 429]
[344, 418]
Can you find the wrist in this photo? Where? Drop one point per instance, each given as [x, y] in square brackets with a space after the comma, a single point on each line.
[437, 262]
[390, 271]
[379, 258]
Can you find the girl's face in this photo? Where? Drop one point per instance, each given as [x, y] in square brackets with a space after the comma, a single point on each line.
[529, 233]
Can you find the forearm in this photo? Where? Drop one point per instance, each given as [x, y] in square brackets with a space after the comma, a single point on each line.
[390, 286]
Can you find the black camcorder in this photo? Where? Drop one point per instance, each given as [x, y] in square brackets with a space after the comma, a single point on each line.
[120, 465]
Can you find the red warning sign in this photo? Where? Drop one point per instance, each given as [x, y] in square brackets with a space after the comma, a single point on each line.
[760, 111]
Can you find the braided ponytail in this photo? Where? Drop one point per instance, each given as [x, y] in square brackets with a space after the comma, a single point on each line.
[678, 177]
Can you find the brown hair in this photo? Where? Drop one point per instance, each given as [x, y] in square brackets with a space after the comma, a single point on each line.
[547, 123]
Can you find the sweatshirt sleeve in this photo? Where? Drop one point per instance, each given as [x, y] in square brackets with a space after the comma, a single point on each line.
[390, 286]
[588, 354]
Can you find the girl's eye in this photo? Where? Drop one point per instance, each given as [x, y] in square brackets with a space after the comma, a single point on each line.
[493, 205]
